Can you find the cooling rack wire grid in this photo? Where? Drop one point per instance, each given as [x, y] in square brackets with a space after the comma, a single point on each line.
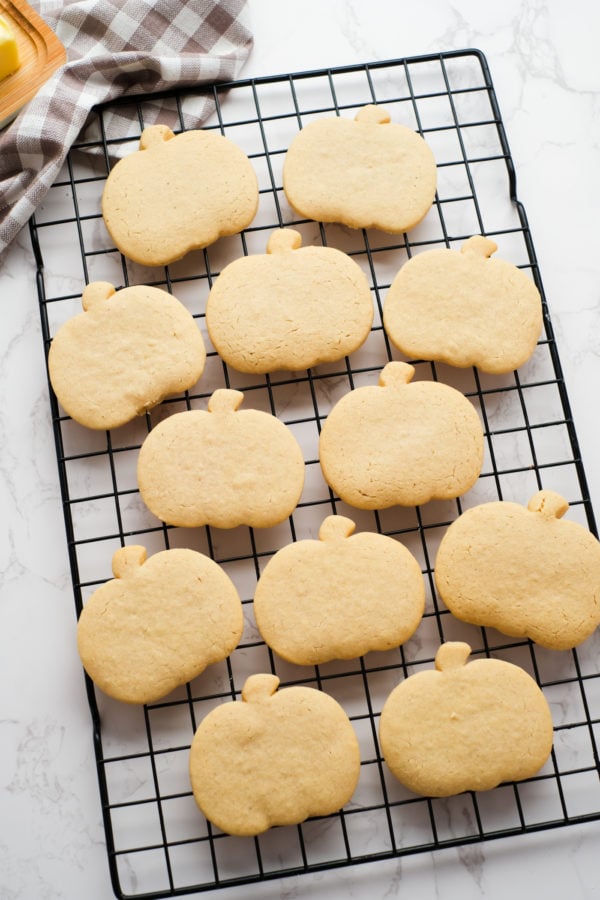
[158, 842]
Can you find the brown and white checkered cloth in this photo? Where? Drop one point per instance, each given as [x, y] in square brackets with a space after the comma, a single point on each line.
[114, 47]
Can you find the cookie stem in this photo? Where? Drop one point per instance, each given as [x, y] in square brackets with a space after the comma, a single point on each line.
[258, 688]
[452, 655]
[479, 246]
[225, 400]
[127, 561]
[284, 239]
[335, 528]
[372, 114]
[155, 134]
[396, 374]
[95, 293]
[549, 504]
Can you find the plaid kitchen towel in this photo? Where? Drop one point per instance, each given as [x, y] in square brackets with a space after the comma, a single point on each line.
[114, 47]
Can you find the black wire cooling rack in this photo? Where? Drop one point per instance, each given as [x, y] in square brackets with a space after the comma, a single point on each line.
[157, 840]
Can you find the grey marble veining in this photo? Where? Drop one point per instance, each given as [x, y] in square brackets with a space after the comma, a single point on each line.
[543, 61]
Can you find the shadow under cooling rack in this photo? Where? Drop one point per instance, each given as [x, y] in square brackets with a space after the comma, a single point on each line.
[158, 843]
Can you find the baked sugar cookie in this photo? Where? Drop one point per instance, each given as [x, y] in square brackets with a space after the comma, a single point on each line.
[273, 758]
[222, 466]
[178, 193]
[340, 596]
[401, 443]
[465, 726]
[465, 309]
[124, 354]
[366, 173]
[291, 308]
[523, 570]
[159, 623]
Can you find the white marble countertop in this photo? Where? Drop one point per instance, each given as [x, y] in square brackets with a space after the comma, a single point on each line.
[543, 60]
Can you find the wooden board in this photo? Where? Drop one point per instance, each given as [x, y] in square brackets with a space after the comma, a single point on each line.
[40, 54]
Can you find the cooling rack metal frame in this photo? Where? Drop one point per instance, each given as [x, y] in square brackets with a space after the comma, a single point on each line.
[157, 841]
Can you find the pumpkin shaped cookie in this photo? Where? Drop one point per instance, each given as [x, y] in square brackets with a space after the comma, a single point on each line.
[465, 726]
[339, 597]
[522, 570]
[221, 467]
[178, 193]
[464, 308]
[292, 308]
[275, 758]
[366, 173]
[401, 443]
[124, 354]
[159, 623]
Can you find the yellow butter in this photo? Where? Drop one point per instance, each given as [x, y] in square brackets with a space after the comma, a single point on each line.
[9, 53]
